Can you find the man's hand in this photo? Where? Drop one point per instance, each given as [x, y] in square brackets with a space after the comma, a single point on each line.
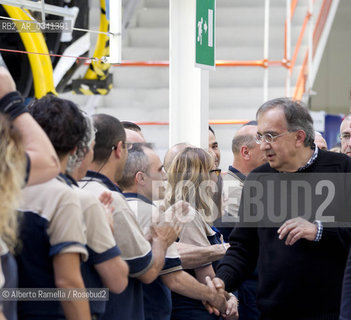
[7, 84]
[217, 304]
[296, 229]
[106, 200]
[165, 232]
[232, 309]
[176, 213]
[218, 283]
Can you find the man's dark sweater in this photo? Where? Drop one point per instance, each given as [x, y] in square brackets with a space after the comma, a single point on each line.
[302, 281]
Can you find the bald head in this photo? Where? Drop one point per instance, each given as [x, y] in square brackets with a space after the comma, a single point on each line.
[345, 133]
[133, 136]
[247, 153]
[172, 152]
[320, 141]
[245, 135]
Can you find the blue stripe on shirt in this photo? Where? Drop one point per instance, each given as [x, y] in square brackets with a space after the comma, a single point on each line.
[171, 263]
[137, 265]
[95, 258]
[57, 248]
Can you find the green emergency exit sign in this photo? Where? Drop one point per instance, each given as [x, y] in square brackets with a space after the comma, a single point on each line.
[205, 34]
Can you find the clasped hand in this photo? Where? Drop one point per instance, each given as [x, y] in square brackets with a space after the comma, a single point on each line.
[224, 304]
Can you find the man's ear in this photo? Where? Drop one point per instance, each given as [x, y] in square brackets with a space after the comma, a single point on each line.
[140, 178]
[118, 149]
[300, 137]
[245, 152]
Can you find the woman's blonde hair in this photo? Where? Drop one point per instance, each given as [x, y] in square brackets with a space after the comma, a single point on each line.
[12, 176]
[189, 180]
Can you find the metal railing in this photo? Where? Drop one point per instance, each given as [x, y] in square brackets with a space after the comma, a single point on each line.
[316, 31]
[318, 34]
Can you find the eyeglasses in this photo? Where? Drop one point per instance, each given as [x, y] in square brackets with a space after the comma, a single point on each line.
[216, 171]
[268, 137]
[345, 136]
[125, 145]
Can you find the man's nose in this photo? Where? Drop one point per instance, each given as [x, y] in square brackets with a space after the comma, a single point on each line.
[264, 145]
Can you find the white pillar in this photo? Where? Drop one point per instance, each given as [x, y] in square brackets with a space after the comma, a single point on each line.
[266, 49]
[188, 85]
[116, 30]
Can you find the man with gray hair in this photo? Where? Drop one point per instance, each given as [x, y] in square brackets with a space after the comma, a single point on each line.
[172, 152]
[142, 183]
[145, 259]
[345, 134]
[300, 261]
[247, 156]
[320, 141]
[345, 139]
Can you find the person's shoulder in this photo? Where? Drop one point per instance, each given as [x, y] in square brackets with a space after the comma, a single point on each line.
[53, 185]
[333, 158]
[325, 154]
[265, 168]
[261, 172]
[48, 197]
[87, 198]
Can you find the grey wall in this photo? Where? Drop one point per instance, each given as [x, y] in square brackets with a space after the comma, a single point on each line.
[333, 81]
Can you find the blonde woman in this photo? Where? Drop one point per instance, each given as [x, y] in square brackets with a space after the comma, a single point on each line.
[12, 176]
[192, 177]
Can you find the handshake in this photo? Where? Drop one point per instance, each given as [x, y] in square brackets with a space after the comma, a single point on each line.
[222, 303]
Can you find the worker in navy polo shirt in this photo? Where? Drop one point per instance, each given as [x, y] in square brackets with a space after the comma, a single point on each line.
[145, 259]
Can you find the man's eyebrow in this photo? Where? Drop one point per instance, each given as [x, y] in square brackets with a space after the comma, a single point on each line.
[270, 132]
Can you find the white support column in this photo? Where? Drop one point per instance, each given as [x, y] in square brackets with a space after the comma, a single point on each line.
[116, 29]
[189, 86]
[42, 11]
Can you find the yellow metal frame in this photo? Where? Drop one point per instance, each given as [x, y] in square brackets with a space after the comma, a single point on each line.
[40, 64]
[98, 70]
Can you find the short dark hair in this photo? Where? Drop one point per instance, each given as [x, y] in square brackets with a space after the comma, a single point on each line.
[296, 115]
[63, 123]
[209, 128]
[109, 132]
[131, 126]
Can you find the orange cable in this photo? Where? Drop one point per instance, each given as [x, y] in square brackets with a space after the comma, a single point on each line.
[298, 44]
[213, 122]
[293, 7]
[301, 80]
[322, 18]
[219, 63]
